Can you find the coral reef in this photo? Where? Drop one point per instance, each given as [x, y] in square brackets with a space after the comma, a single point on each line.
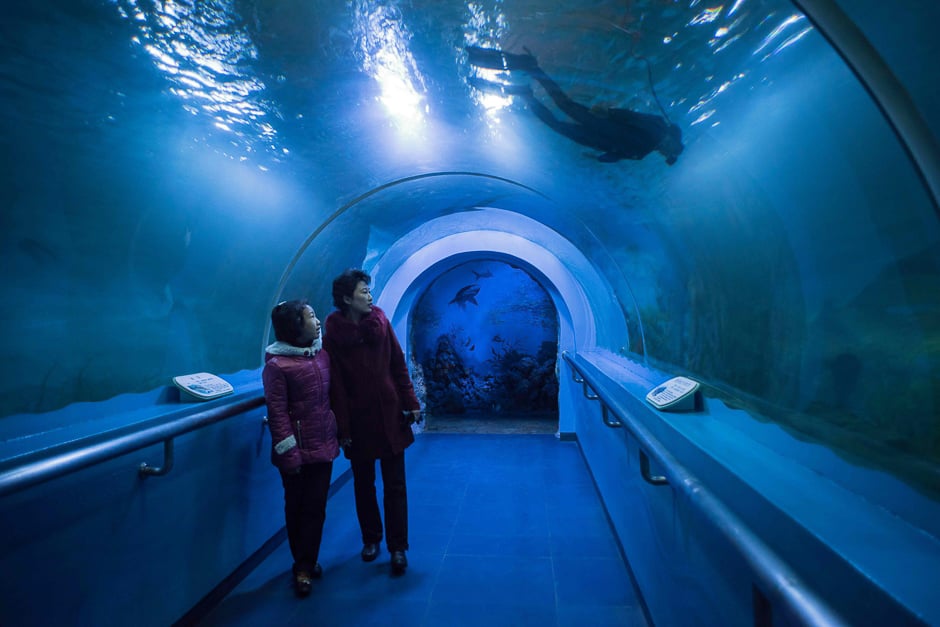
[514, 381]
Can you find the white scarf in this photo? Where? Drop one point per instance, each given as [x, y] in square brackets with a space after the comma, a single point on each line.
[283, 348]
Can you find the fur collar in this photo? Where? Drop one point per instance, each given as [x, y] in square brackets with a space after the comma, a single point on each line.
[283, 348]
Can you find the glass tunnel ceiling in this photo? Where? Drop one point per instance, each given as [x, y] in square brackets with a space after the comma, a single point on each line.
[172, 169]
[405, 256]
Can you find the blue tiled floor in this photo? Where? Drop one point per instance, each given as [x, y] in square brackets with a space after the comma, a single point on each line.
[504, 530]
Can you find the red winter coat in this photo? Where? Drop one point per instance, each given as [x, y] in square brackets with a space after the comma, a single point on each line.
[297, 393]
[371, 383]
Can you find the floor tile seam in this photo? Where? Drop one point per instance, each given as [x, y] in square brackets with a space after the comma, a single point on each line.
[274, 554]
[491, 603]
[491, 556]
[599, 558]
[605, 606]
[555, 587]
[584, 529]
[453, 525]
[434, 581]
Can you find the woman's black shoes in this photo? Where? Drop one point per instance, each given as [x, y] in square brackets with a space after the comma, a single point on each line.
[302, 584]
[399, 562]
[303, 581]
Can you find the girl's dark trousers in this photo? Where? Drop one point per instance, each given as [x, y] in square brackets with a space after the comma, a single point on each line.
[305, 495]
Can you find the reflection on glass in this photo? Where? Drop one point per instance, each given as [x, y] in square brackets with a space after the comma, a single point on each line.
[777, 32]
[706, 17]
[744, 26]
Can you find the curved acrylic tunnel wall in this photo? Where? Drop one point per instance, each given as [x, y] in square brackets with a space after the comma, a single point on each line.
[404, 256]
[447, 226]
[132, 222]
[170, 171]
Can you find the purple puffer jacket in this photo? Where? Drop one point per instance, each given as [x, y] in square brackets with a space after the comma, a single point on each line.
[297, 393]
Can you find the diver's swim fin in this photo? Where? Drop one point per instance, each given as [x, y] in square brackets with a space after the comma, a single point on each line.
[492, 59]
[503, 89]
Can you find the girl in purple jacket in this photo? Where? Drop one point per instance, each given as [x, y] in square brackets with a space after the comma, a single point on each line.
[296, 380]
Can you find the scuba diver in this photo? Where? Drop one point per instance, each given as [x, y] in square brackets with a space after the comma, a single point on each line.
[617, 133]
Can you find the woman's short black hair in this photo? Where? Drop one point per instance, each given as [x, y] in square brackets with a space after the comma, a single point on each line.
[345, 284]
[287, 317]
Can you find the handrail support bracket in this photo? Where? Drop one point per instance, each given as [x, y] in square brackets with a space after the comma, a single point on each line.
[146, 470]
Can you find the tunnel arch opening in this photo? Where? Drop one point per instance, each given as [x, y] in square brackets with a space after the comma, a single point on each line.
[406, 232]
[409, 266]
[484, 345]
[415, 221]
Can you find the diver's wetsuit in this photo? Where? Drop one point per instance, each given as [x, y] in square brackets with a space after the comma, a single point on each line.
[622, 134]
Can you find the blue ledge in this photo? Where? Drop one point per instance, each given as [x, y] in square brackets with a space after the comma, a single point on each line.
[805, 486]
[24, 436]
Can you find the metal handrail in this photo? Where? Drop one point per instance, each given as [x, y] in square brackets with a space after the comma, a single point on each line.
[61, 464]
[778, 581]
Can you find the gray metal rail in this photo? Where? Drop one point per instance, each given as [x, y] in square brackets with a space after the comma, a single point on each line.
[61, 464]
[778, 583]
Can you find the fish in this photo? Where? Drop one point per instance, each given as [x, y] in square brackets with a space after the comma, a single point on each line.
[482, 275]
[466, 294]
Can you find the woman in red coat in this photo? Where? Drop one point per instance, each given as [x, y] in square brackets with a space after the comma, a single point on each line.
[375, 406]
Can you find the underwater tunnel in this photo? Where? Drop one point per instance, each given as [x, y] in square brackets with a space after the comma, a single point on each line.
[563, 207]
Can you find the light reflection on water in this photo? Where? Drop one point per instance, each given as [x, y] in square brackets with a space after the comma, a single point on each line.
[742, 32]
[700, 54]
[778, 31]
[206, 56]
[484, 28]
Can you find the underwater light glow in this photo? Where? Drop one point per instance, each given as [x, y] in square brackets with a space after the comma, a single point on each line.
[491, 101]
[485, 30]
[383, 48]
[399, 96]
